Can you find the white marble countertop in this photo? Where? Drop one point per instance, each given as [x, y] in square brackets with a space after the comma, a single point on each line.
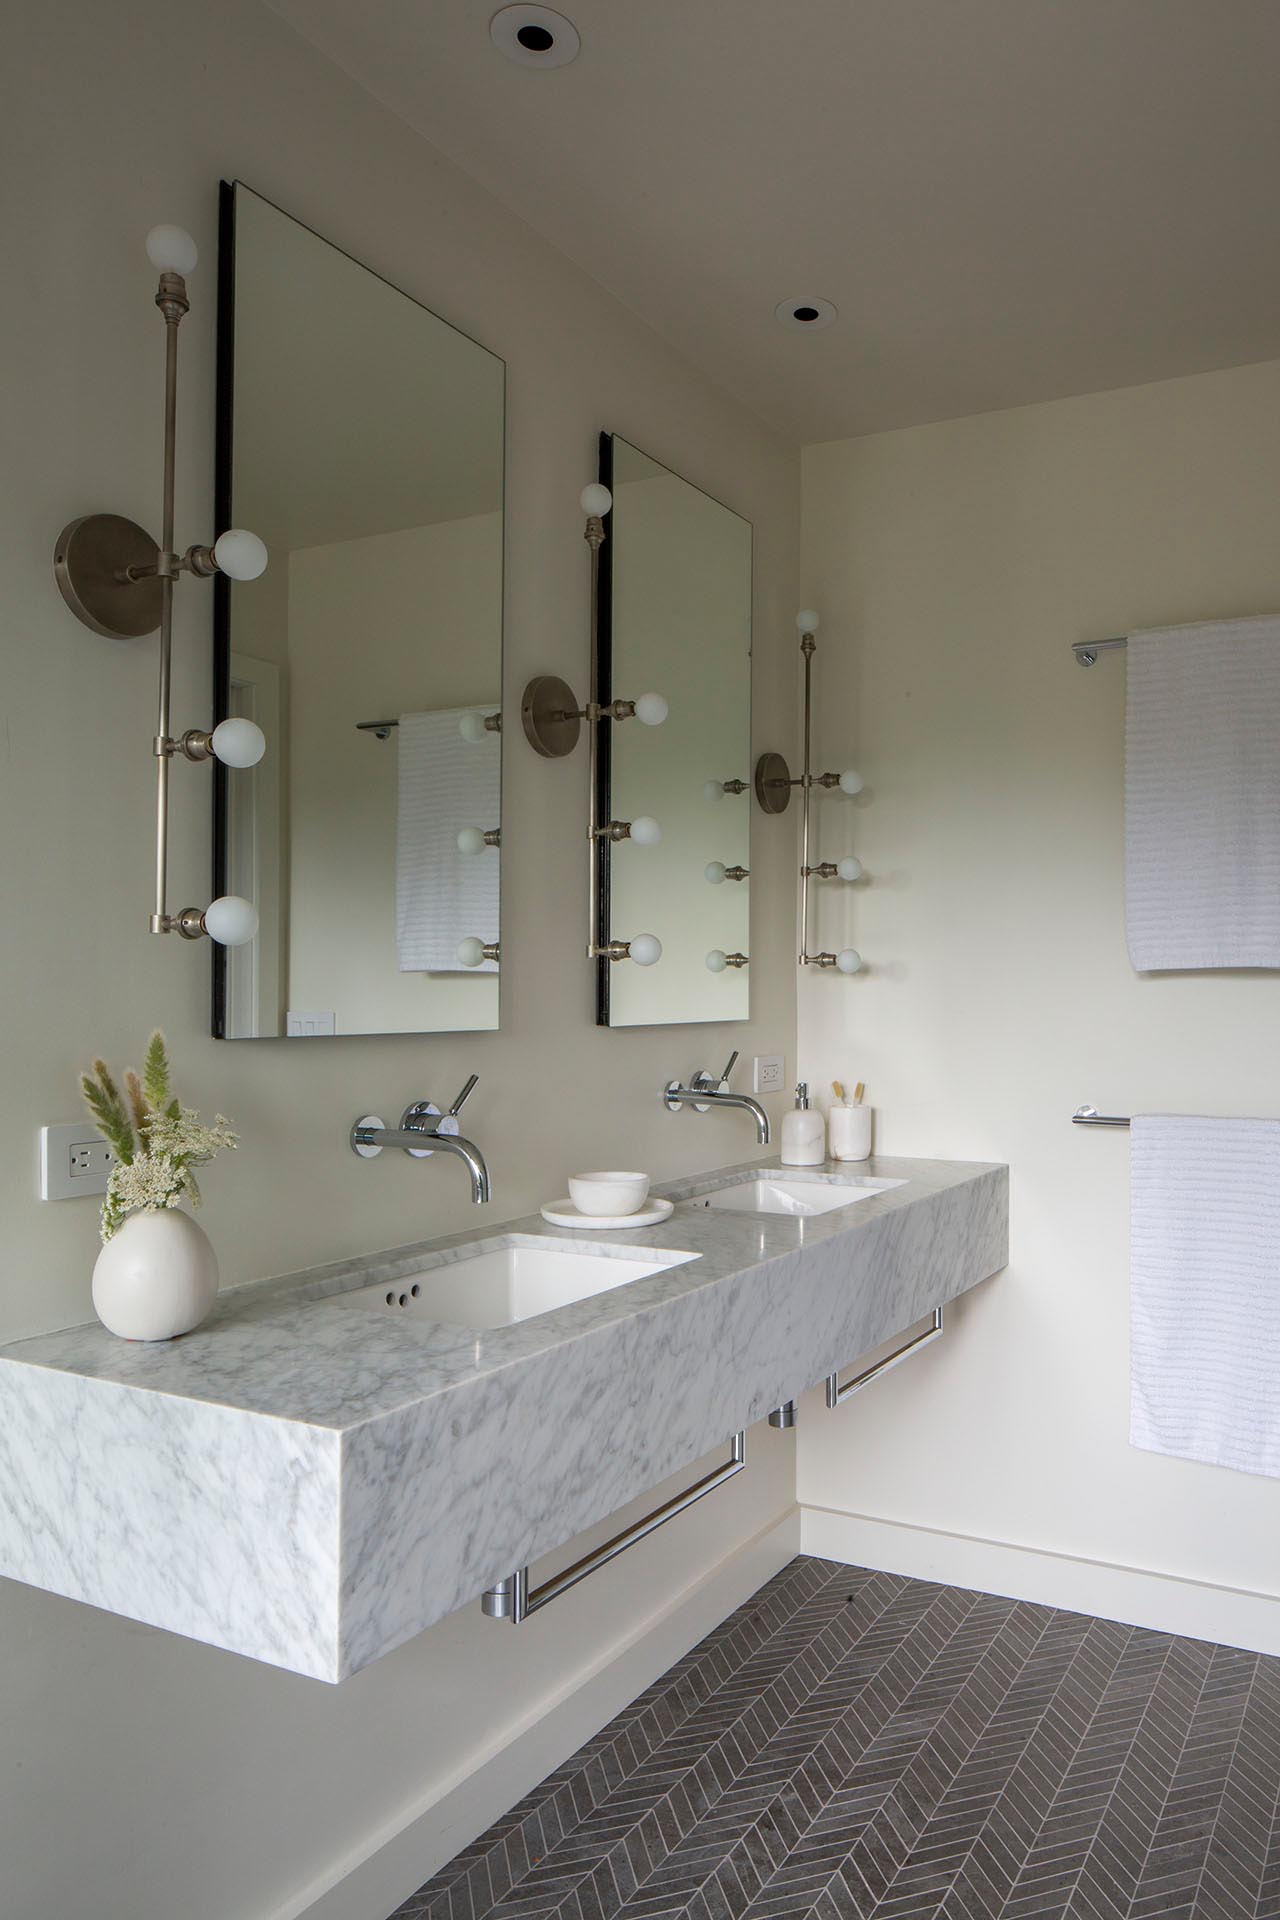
[311, 1484]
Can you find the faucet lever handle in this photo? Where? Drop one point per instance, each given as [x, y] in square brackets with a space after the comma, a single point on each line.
[463, 1097]
[730, 1064]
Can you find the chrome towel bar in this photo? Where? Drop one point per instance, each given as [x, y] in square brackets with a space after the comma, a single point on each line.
[514, 1599]
[837, 1394]
[1087, 651]
[1087, 1116]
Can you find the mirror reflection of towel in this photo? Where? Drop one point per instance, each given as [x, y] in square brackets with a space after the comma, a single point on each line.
[443, 896]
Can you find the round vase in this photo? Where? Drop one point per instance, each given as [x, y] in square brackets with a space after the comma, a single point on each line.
[156, 1277]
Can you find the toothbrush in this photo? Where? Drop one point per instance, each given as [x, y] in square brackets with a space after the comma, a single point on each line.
[837, 1087]
[858, 1092]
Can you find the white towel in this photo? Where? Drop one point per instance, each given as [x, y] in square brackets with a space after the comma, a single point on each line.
[1202, 796]
[444, 896]
[1205, 1290]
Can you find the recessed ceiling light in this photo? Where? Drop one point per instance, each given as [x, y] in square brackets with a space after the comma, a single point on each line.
[805, 316]
[535, 36]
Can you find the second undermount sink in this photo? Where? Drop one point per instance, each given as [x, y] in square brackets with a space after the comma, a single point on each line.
[500, 1285]
[792, 1194]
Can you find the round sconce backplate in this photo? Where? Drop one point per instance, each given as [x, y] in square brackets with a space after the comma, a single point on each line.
[549, 712]
[91, 560]
[773, 783]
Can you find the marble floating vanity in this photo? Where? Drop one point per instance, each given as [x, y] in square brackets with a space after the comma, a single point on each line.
[311, 1483]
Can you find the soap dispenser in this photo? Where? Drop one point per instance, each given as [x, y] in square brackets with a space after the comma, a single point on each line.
[804, 1134]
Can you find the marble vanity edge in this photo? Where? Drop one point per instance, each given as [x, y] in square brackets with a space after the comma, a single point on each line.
[652, 1393]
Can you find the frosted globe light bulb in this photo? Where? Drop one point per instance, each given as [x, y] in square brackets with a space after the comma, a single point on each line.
[849, 868]
[850, 782]
[651, 709]
[646, 950]
[472, 728]
[238, 743]
[807, 620]
[645, 830]
[171, 250]
[471, 952]
[240, 554]
[713, 790]
[231, 921]
[595, 499]
[848, 961]
[717, 960]
[471, 840]
[714, 871]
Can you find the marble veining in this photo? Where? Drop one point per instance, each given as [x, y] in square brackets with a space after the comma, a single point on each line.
[312, 1484]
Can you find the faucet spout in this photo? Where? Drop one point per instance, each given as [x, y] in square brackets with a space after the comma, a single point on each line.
[676, 1096]
[419, 1134]
[476, 1164]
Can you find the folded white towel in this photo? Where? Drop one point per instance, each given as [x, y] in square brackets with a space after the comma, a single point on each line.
[1202, 796]
[1205, 1290]
[444, 896]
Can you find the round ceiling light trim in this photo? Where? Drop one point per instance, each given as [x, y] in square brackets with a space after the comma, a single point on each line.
[535, 36]
[805, 316]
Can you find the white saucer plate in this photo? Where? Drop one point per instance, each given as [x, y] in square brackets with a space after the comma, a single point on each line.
[563, 1213]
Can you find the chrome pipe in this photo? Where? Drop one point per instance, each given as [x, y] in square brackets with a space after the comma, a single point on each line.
[514, 1599]
[837, 1394]
[173, 304]
[1090, 1117]
[808, 647]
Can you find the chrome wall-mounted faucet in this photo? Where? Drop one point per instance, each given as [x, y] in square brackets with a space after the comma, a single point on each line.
[420, 1124]
[711, 1090]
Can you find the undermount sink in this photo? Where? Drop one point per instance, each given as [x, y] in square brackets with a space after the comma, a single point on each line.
[789, 1194]
[497, 1287]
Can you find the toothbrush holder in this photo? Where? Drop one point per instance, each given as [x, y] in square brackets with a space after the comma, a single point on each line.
[849, 1133]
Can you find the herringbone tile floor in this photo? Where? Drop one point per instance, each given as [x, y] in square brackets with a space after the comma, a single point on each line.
[851, 1745]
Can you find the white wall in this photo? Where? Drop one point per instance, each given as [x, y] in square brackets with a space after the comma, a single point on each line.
[144, 1776]
[954, 565]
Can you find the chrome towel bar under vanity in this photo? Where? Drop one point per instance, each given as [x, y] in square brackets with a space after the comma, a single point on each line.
[514, 1599]
[837, 1394]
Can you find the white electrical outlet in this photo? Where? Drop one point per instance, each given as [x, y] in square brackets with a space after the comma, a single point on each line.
[74, 1160]
[767, 1071]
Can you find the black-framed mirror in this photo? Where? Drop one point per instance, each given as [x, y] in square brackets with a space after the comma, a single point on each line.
[675, 615]
[362, 436]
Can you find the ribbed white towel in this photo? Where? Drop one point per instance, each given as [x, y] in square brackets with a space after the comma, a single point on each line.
[1202, 796]
[1205, 1290]
[444, 896]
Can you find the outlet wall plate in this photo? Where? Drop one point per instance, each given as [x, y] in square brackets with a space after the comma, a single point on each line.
[768, 1072]
[75, 1161]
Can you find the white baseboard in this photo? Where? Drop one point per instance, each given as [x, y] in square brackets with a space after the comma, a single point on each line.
[1236, 1616]
[369, 1885]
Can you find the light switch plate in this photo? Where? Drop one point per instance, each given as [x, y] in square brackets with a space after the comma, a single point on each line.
[767, 1072]
[309, 1026]
[75, 1161]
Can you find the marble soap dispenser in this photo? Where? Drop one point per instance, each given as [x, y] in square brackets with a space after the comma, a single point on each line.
[804, 1133]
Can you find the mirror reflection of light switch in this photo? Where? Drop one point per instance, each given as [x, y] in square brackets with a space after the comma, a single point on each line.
[307, 1026]
[767, 1072]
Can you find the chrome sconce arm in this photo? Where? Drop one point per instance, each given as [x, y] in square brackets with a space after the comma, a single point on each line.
[119, 582]
[552, 718]
[773, 783]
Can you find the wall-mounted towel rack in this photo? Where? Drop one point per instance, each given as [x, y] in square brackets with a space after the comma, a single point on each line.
[1087, 651]
[381, 728]
[1087, 1116]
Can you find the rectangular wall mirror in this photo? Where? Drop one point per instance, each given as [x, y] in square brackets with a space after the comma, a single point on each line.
[675, 617]
[362, 437]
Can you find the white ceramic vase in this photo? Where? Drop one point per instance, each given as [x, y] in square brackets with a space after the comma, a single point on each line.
[156, 1277]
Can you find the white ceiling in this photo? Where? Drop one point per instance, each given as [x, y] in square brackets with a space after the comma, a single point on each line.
[1007, 200]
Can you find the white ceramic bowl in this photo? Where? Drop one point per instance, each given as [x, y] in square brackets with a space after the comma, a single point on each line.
[613, 1193]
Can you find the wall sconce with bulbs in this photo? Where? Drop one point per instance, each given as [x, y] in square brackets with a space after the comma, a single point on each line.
[553, 720]
[717, 960]
[773, 784]
[119, 582]
[475, 839]
[473, 952]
